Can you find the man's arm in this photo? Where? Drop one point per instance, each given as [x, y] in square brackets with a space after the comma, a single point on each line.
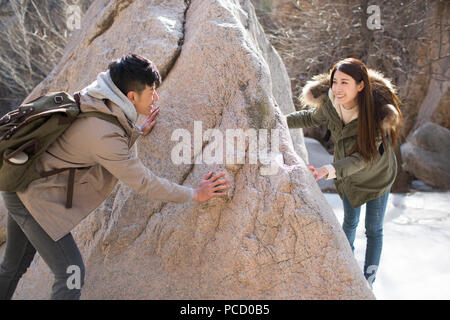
[111, 151]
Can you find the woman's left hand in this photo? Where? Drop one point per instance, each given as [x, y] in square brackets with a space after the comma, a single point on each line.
[318, 173]
[322, 172]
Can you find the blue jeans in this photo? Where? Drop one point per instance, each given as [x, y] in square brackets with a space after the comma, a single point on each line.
[23, 237]
[375, 211]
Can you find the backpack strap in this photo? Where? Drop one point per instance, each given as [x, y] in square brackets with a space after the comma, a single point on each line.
[70, 182]
[71, 179]
[97, 114]
[103, 116]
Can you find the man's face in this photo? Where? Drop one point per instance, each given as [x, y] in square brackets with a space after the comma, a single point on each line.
[144, 101]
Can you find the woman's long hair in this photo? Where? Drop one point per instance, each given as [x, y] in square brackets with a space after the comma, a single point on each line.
[369, 116]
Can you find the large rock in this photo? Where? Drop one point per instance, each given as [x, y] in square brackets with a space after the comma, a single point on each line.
[427, 93]
[426, 155]
[274, 237]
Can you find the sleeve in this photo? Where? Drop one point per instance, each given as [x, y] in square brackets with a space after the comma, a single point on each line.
[353, 163]
[111, 151]
[306, 118]
[331, 171]
[349, 165]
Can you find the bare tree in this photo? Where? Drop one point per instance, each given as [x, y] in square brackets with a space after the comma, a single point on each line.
[312, 35]
[34, 34]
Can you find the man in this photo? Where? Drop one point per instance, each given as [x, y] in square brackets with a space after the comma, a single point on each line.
[38, 219]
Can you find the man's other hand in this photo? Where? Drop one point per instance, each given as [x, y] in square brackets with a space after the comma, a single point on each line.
[149, 121]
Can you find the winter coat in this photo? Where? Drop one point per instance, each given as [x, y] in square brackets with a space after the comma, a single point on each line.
[101, 152]
[356, 179]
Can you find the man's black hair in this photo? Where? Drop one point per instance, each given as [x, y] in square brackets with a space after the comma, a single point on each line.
[132, 72]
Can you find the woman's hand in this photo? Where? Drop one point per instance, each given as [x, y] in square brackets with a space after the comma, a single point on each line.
[210, 186]
[319, 173]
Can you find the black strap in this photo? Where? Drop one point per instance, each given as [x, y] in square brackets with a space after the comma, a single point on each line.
[70, 182]
[76, 97]
[327, 135]
[381, 148]
[71, 179]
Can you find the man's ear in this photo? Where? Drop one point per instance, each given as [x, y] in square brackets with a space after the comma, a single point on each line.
[132, 95]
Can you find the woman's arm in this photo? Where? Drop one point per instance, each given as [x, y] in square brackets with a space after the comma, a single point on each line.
[349, 165]
[306, 118]
[339, 169]
[353, 163]
[344, 167]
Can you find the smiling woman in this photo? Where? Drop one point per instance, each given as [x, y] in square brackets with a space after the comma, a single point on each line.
[346, 90]
[364, 131]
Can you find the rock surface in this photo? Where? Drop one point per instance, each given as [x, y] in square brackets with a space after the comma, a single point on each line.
[274, 237]
[426, 155]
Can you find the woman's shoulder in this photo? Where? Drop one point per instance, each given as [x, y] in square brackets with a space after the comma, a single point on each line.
[314, 93]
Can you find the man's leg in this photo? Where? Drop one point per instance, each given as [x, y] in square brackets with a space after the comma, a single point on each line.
[58, 255]
[19, 253]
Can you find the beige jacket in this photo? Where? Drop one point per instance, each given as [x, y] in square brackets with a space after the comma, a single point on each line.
[106, 149]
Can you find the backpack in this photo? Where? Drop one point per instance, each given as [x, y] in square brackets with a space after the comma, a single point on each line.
[28, 131]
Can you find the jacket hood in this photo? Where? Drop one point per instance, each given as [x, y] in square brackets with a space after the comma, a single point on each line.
[104, 88]
[90, 104]
[316, 92]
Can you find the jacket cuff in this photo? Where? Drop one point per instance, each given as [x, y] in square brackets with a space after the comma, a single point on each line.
[331, 171]
[191, 196]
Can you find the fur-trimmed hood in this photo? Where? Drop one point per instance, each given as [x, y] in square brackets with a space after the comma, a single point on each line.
[317, 91]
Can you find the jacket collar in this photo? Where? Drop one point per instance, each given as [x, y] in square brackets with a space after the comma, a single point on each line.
[336, 106]
[91, 104]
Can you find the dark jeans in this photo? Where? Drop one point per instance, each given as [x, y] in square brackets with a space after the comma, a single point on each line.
[375, 211]
[24, 237]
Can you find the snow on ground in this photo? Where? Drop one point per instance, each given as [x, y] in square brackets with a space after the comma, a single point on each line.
[415, 260]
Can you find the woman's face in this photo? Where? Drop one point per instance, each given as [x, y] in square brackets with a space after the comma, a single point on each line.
[346, 89]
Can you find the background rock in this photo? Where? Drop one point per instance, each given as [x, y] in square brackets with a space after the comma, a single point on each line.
[426, 155]
[274, 237]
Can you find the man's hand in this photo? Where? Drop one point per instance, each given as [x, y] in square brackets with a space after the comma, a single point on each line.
[149, 121]
[210, 186]
[318, 173]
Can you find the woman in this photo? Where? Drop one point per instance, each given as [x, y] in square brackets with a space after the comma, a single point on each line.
[360, 108]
